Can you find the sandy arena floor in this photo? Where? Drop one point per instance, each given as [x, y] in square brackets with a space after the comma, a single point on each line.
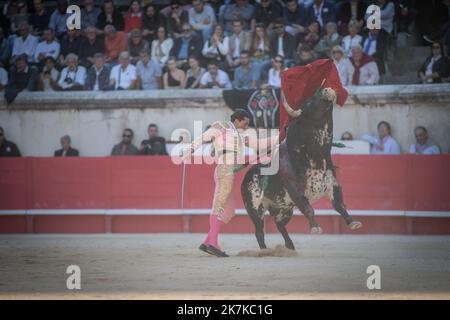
[169, 266]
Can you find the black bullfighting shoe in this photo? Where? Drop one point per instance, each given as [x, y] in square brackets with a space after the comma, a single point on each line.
[204, 248]
[214, 251]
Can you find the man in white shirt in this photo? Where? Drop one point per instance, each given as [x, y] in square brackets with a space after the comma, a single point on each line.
[202, 18]
[215, 78]
[73, 76]
[47, 48]
[26, 43]
[423, 144]
[123, 76]
[384, 143]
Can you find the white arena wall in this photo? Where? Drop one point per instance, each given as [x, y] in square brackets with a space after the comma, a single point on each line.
[95, 120]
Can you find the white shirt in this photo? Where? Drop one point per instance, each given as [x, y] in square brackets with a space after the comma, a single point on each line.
[348, 42]
[48, 49]
[430, 150]
[274, 78]
[166, 45]
[280, 47]
[27, 46]
[390, 145]
[318, 13]
[78, 76]
[221, 77]
[368, 73]
[3, 77]
[220, 48]
[237, 48]
[429, 68]
[97, 74]
[123, 78]
[343, 66]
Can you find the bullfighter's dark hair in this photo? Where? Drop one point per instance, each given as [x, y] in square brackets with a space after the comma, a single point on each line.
[130, 131]
[386, 124]
[239, 114]
[153, 125]
[421, 128]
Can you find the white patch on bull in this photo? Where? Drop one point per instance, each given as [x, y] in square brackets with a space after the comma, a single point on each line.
[256, 192]
[319, 183]
[322, 136]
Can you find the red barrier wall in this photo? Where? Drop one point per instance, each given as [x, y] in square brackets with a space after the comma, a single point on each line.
[405, 182]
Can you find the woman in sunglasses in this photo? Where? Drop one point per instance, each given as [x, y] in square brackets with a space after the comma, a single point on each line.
[436, 67]
[275, 72]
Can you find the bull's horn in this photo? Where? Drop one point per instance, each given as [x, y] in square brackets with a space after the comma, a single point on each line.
[293, 113]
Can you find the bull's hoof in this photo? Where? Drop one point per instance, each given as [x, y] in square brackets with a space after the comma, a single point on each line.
[316, 230]
[355, 225]
[290, 246]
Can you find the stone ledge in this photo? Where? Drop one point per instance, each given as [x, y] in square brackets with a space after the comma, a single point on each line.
[212, 98]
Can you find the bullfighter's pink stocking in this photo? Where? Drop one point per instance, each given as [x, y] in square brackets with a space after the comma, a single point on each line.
[214, 229]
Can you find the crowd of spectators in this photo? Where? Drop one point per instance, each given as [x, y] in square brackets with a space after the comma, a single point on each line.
[381, 143]
[239, 44]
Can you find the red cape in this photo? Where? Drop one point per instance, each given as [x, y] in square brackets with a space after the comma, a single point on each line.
[300, 83]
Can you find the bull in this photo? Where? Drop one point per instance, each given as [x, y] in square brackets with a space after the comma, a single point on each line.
[306, 172]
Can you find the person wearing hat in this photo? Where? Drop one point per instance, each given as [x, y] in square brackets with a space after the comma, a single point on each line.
[136, 44]
[49, 76]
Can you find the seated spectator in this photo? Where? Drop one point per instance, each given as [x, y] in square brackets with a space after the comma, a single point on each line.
[89, 46]
[194, 74]
[239, 41]
[148, 72]
[5, 49]
[362, 69]
[247, 75]
[321, 11]
[342, 65]
[71, 43]
[7, 148]
[346, 136]
[47, 48]
[133, 19]
[352, 39]
[202, 18]
[110, 16]
[66, 149]
[436, 67]
[423, 144]
[40, 19]
[186, 46]
[387, 14]
[304, 55]
[216, 48]
[295, 18]
[266, 12]
[330, 39]
[19, 16]
[22, 77]
[352, 11]
[275, 72]
[136, 44]
[151, 20]
[313, 36]
[241, 10]
[125, 147]
[161, 47]
[73, 76]
[25, 43]
[154, 145]
[282, 43]
[174, 78]
[3, 78]
[89, 14]
[375, 45]
[384, 143]
[115, 43]
[176, 18]
[215, 78]
[58, 19]
[260, 50]
[97, 78]
[123, 76]
[48, 78]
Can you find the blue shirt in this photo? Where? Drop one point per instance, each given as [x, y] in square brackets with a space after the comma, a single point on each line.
[243, 78]
[184, 50]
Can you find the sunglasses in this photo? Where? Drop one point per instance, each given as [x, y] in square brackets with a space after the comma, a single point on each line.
[186, 30]
[280, 61]
[126, 136]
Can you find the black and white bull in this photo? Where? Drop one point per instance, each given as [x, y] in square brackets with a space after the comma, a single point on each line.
[306, 172]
